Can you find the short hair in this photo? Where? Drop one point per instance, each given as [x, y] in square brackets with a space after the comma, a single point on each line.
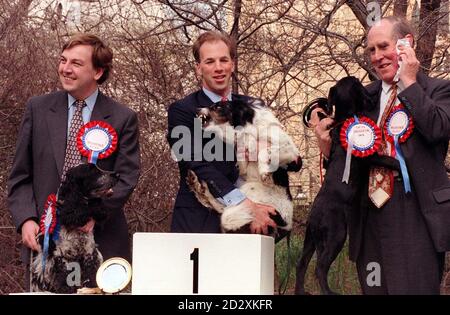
[401, 27]
[102, 55]
[213, 36]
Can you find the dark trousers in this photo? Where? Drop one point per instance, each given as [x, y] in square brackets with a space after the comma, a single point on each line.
[195, 220]
[397, 249]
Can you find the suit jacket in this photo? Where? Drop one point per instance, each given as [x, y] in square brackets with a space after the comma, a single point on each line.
[39, 159]
[428, 101]
[189, 215]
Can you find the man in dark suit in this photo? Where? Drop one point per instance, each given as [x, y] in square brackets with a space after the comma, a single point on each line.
[214, 56]
[398, 239]
[85, 62]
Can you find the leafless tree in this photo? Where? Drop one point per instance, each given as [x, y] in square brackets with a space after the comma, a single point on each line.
[288, 53]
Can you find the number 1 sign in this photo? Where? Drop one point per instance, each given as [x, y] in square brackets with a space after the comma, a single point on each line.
[179, 263]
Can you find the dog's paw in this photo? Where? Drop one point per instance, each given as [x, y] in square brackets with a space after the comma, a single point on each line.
[89, 291]
[235, 217]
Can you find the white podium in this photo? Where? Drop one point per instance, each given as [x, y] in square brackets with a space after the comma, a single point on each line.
[185, 263]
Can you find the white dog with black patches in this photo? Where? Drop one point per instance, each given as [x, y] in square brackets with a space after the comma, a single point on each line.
[264, 150]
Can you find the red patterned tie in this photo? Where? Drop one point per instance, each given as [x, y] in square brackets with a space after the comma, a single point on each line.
[381, 179]
[73, 156]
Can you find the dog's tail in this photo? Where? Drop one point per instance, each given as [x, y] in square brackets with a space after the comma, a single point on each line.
[302, 265]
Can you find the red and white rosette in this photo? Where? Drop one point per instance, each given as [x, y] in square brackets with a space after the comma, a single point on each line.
[48, 218]
[398, 128]
[48, 224]
[364, 134]
[96, 140]
[361, 137]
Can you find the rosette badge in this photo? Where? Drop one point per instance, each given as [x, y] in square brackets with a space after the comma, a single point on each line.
[96, 140]
[399, 127]
[361, 137]
[362, 134]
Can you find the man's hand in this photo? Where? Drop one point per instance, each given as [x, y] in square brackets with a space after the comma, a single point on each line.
[410, 67]
[322, 131]
[29, 231]
[261, 220]
[88, 227]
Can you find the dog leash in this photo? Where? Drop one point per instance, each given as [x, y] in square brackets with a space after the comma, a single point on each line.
[285, 281]
[321, 167]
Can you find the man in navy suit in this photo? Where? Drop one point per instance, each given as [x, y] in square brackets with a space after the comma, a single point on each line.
[214, 56]
[85, 62]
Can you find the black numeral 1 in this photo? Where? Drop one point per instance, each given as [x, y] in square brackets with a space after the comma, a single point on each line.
[194, 257]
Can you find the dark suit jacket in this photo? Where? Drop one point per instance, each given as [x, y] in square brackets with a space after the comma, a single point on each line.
[38, 164]
[189, 215]
[428, 101]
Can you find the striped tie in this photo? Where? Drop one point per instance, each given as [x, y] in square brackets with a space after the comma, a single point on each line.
[73, 156]
[381, 179]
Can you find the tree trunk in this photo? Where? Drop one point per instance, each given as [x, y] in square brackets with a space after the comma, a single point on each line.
[237, 7]
[400, 7]
[427, 32]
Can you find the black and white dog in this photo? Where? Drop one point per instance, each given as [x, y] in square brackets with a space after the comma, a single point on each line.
[73, 259]
[326, 229]
[263, 147]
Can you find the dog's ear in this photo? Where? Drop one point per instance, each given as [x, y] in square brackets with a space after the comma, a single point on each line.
[363, 100]
[332, 96]
[248, 113]
[242, 112]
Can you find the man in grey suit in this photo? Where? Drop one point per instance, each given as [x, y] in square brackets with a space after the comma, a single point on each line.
[85, 62]
[398, 238]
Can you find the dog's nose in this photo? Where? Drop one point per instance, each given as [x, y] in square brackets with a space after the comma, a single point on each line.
[115, 175]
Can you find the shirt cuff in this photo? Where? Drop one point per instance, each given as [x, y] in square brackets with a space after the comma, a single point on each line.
[233, 198]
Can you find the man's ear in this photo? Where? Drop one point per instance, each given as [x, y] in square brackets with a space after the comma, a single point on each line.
[98, 73]
[198, 70]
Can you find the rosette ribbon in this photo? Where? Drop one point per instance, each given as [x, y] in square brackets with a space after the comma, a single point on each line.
[96, 140]
[360, 137]
[48, 225]
[398, 128]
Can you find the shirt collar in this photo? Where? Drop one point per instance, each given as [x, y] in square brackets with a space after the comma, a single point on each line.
[90, 101]
[386, 87]
[215, 97]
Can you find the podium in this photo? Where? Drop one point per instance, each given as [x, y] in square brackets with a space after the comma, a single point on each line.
[206, 264]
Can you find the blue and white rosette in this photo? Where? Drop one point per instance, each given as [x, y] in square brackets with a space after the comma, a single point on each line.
[398, 128]
[96, 140]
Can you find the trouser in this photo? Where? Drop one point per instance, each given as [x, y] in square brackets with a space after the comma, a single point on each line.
[397, 255]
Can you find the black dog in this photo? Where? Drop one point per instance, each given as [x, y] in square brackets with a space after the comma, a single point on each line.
[326, 230]
[73, 259]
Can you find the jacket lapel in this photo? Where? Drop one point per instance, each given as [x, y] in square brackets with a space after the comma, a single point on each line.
[202, 99]
[57, 128]
[101, 109]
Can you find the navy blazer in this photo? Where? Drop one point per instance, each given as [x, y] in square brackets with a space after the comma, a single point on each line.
[189, 215]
